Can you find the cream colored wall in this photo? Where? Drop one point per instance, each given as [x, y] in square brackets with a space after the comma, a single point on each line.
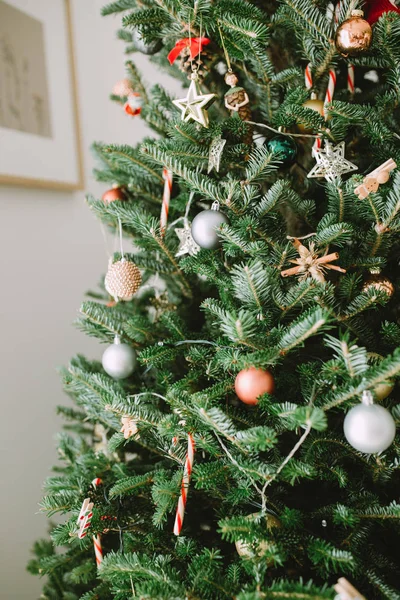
[51, 252]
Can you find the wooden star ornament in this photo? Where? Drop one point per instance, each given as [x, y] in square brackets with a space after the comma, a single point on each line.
[194, 106]
[310, 264]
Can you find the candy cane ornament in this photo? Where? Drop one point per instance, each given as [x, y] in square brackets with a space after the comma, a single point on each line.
[84, 520]
[350, 79]
[180, 511]
[329, 90]
[167, 175]
[308, 80]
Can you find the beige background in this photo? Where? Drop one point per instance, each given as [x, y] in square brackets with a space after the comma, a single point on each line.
[51, 251]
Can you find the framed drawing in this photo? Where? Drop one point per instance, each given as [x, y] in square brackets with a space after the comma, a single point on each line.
[40, 142]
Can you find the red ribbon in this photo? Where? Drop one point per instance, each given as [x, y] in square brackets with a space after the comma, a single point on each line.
[376, 8]
[194, 44]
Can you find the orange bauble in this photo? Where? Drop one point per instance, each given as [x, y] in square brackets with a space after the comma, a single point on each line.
[113, 195]
[251, 383]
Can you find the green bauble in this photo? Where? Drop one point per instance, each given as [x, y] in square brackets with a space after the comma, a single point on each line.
[285, 147]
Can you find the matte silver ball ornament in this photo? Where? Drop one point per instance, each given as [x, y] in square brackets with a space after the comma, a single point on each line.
[148, 48]
[369, 427]
[119, 360]
[205, 227]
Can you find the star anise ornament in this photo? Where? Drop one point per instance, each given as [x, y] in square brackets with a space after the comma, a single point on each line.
[311, 264]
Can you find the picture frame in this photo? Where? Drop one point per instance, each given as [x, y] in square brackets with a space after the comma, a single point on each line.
[40, 135]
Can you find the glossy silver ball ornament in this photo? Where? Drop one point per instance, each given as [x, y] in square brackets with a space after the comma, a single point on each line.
[369, 427]
[205, 227]
[119, 360]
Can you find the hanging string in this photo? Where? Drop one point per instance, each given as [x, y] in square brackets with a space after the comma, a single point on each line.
[121, 239]
[228, 62]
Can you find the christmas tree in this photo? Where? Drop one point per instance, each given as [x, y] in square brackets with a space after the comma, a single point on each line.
[238, 439]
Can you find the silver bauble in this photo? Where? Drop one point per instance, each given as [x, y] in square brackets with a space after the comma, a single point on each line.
[369, 427]
[143, 47]
[119, 360]
[205, 227]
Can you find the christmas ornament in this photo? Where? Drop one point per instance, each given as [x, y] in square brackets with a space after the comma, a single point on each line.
[354, 35]
[373, 180]
[284, 147]
[383, 389]
[237, 102]
[346, 591]
[116, 193]
[123, 88]
[123, 279]
[313, 104]
[246, 549]
[310, 264]
[193, 45]
[129, 427]
[133, 105]
[379, 283]
[148, 48]
[119, 360]
[215, 153]
[194, 106]
[187, 245]
[252, 383]
[376, 8]
[167, 176]
[84, 520]
[205, 227]
[180, 511]
[369, 427]
[331, 162]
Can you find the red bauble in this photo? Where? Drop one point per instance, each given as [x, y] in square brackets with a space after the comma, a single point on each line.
[251, 383]
[376, 8]
[133, 106]
[113, 195]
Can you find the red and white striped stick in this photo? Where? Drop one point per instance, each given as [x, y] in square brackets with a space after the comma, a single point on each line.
[308, 77]
[330, 90]
[350, 79]
[309, 83]
[180, 511]
[167, 175]
[98, 550]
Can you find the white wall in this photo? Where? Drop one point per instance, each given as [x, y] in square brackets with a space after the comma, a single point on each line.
[51, 252]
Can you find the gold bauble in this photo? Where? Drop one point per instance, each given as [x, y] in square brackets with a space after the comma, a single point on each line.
[381, 390]
[313, 104]
[354, 35]
[379, 283]
[123, 280]
[246, 550]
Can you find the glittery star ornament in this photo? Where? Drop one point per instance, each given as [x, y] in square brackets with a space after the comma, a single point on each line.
[187, 245]
[194, 106]
[310, 264]
[331, 162]
[215, 153]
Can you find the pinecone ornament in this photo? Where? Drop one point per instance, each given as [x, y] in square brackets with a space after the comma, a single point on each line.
[196, 64]
[237, 102]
